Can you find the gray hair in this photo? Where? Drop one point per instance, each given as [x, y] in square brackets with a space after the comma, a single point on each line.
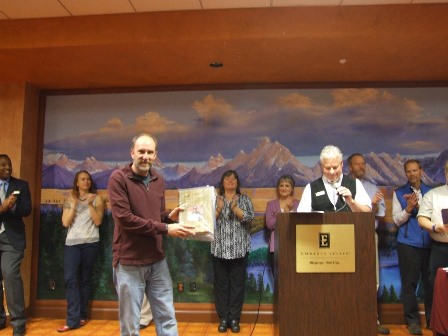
[329, 152]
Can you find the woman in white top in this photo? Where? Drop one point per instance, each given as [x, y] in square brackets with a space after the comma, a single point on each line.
[82, 214]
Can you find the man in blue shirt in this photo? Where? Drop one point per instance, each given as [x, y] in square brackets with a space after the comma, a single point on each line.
[413, 244]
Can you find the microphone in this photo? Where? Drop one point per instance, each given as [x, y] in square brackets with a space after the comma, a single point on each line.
[339, 197]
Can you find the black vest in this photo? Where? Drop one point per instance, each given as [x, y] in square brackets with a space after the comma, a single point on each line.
[323, 203]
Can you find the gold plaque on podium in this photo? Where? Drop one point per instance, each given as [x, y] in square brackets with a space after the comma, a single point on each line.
[325, 248]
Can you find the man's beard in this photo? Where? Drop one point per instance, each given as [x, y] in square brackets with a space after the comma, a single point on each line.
[144, 167]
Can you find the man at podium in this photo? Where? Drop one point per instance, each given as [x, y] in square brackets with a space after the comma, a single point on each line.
[321, 276]
[334, 192]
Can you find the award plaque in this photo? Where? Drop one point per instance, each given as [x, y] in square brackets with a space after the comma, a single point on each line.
[199, 210]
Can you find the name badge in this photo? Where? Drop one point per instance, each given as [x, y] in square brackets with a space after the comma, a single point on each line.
[320, 193]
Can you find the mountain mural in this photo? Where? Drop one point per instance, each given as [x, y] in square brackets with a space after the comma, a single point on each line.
[388, 170]
[59, 160]
[257, 169]
[213, 163]
[92, 165]
[57, 177]
[174, 172]
[434, 167]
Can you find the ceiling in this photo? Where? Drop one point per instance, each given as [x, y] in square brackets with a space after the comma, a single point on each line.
[25, 9]
[115, 44]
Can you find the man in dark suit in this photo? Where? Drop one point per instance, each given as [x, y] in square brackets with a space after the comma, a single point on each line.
[15, 203]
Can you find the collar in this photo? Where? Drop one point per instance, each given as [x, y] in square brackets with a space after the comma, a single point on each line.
[5, 181]
[335, 184]
[415, 190]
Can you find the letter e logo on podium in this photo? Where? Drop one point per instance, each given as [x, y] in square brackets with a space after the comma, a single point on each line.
[324, 240]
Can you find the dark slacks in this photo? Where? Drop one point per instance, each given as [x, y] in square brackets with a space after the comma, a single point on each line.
[78, 267]
[414, 265]
[229, 286]
[2, 307]
[271, 258]
[11, 259]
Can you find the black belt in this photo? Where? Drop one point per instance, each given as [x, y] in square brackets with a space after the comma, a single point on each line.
[435, 242]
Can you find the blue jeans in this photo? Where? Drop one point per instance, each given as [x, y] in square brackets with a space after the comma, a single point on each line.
[78, 266]
[131, 282]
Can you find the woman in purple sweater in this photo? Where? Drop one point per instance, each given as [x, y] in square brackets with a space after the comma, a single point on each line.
[285, 202]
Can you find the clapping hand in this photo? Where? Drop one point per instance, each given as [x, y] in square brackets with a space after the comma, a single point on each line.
[377, 197]
[412, 201]
[90, 198]
[9, 202]
[234, 203]
[289, 204]
[219, 203]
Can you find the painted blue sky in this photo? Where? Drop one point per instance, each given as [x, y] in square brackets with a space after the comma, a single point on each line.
[193, 125]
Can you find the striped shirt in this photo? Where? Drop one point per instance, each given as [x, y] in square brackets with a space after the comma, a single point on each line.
[232, 235]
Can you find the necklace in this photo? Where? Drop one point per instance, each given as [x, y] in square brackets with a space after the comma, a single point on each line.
[82, 199]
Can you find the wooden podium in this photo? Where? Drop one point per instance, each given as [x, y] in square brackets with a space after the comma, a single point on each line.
[325, 304]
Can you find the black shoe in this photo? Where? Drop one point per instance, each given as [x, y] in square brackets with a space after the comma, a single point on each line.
[415, 329]
[235, 326]
[19, 331]
[382, 330]
[222, 328]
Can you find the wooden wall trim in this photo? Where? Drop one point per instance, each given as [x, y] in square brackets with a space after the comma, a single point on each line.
[201, 312]
[185, 312]
[393, 314]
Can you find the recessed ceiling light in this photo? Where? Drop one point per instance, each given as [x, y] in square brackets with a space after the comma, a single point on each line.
[342, 61]
[216, 64]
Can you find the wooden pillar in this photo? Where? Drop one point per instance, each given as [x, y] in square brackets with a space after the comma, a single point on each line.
[19, 128]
